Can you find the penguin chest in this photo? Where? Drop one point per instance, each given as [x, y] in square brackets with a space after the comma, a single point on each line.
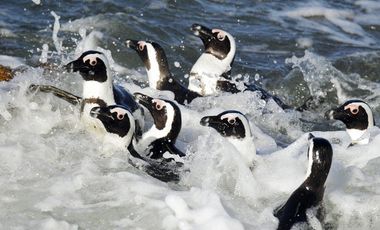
[205, 73]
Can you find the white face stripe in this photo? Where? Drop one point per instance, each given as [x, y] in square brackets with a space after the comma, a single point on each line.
[131, 132]
[310, 156]
[92, 58]
[120, 112]
[154, 71]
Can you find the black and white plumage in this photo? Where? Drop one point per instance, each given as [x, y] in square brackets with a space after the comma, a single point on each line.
[157, 67]
[309, 194]
[118, 121]
[235, 127]
[211, 72]
[98, 88]
[358, 118]
[159, 141]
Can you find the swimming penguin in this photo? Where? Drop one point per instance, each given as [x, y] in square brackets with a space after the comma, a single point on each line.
[98, 88]
[118, 120]
[235, 127]
[309, 195]
[211, 72]
[159, 141]
[157, 67]
[358, 118]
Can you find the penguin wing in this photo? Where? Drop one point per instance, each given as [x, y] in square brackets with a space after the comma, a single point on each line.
[181, 93]
[123, 97]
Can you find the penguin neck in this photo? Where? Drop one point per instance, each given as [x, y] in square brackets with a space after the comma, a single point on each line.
[158, 71]
[360, 137]
[246, 148]
[101, 90]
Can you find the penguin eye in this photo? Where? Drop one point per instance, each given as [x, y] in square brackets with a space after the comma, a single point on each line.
[221, 37]
[93, 62]
[120, 116]
[159, 107]
[354, 111]
[141, 47]
[232, 121]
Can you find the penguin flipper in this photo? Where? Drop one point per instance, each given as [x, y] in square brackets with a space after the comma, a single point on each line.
[123, 97]
[172, 149]
[69, 97]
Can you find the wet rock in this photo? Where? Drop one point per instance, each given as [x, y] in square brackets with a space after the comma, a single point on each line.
[6, 73]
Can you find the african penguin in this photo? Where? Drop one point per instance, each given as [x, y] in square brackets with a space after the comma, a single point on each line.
[309, 195]
[159, 141]
[235, 127]
[157, 67]
[214, 63]
[211, 72]
[98, 88]
[358, 118]
[118, 121]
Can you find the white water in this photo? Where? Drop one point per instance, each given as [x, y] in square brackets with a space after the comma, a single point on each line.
[56, 175]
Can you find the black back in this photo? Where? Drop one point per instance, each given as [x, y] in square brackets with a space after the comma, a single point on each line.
[310, 193]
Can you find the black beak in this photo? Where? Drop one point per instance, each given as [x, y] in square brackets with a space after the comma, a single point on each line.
[75, 66]
[330, 114]
[210, 121]
[202, 32]
[101, 113]
[143, 99]
[132, 44]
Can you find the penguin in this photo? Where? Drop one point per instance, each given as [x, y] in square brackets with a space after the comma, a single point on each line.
[211, 72]
[309, 195]
[358, 118]
[235, 127]
[157, 67]
[119, 121]
[98, 88]
[159, 141]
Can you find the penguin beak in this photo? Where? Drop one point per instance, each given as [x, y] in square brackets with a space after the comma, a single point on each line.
[101, 113]
[204, 33]
[132, 44]
[330, 114]
[210, 121]
[143, 99]
[75, 66]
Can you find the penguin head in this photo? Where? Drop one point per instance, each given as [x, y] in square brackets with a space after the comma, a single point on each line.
[116, 119]
[92, 66]
[154, 58]
[166, 115]
[319, 154]
[217, 42]
[229, 124]
[356, 115]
